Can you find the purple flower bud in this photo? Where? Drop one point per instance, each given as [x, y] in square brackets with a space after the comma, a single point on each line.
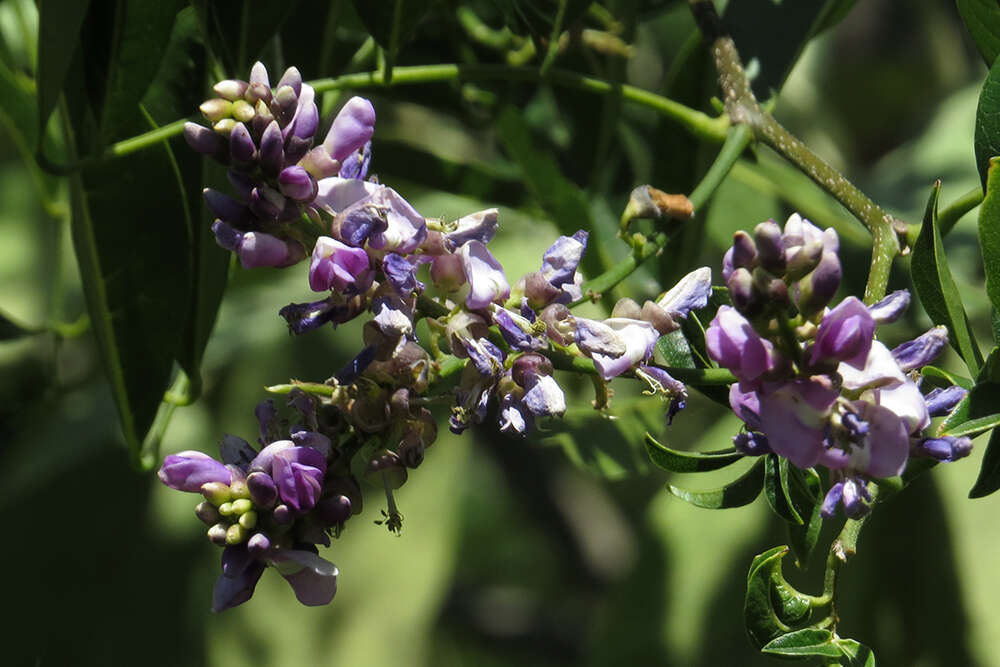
[527, 368]
[202, 139]
[480, 226]
[690, 293]
[356, 164]
[226, 208]
[813, 292]
[942, 401]
[258, 249]
[264, 460]
[302, 317]
[188, 470]
[333, 510]
[292, 78]
[891, 308]
[741, 290]
[733, 343]
[801, 260]
[770, 247]
[262, 489]
[306, 119]
[339, 267]
[845, 334]
[283, 104]
[946, 449]
[744, 251]
[832, 500]
[751, 443]
[298, 473]
[487, 282]
[241, 146]
[922, 350]
[297, 183]
[313, 579]
[853, 498]
[258, 74]
[351, 129]
[272, 151]
[226, 236]
[560, 261]
[745, 403]
[258, 545]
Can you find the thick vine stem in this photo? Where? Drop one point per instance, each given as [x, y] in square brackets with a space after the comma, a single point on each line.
[743, 108]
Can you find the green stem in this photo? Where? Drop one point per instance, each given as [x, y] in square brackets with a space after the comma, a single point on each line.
[737, 139]
[699, 124]
[743, 108]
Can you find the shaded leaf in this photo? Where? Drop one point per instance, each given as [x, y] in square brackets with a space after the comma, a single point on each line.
[673, 350]
[804, 642]
[59, 23]
[988, 479]
[239, 30]
[982, 19]
[936, 288]
[776, 489]
[741, 491]
[806, 494]
[11, 330]
[771, 606]
[858, 654]
[537, 18]
[678, 461]
[987, 134]
[941, 377]
[391, 22]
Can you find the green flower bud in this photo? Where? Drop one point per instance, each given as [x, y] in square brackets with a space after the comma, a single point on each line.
[226, 509]
[248, 520]
[235, 534]
[207, 512]
[216, 493]
[217, 534]
[239, 489]
[216, 109]
[242, 506]
[224, 126]
[243, 111]
[230, 89]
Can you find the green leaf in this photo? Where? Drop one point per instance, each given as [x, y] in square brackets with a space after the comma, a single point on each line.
[391, 22]
[803, 538]
[673, 350]
[804, 642]
[676, 461]
[59, 24]
[239, 30]
[989, 232]
[776, 489]
[982, 19]
[974, 427]
[772, 606]
[537, 17]
[562, 200]
[988, 480]
[858, 654]
[974, 410]
[987, 134]
[741, 491]
[937, 290]
[19, 109]
[944, 378]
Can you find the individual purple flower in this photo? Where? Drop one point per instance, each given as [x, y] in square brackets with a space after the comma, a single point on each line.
[405, 229]
[745, 403]
[661, 382]
[356, 164]
[922, 350]
[544, 397]
[302, 317]
[336, 194]
[257, 249]
[518, 331]
[890, 308]
[514, 416]
[853, 493]
[941, 401]
[298, 473]
[236, 584]
[561, 259]
[794, 417]
[487, 282]
[480, 226]
[401, 274]
[880, 450]
[690, 293]
[312, 578]
[616, 344]
[944, 449]
[351, 129]
[339, 267]
[733, 343]
[189, 470]
[845, 334]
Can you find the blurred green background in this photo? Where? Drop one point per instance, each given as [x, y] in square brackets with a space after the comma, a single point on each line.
[560, 549]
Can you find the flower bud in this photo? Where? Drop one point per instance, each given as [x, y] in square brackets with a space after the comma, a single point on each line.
[230, 89]
[659, 318]
[263, 492]
[292, 78]
[235, 534]
[744, 251]
[922, 350]
[216, 109]
[224, 127]
[241, 146]
[945, 449]
[741, 292]
[242, 111]
[942, 401]
[770, 247]
[447, 272]
[626, 308]
[845, 334]
[272, 152]
[891, 308]
[203, 140]
[333, 510]
[803, 259]
[216, 493]
[295, 182]
[282, 514]
[191, 470]
[217, 534]
[258, 249]
[241, 506]
[529, 366]
[351, 129]
[248, 520]
[266, 203]
[814, 292]
[258, 544]
[207, 513]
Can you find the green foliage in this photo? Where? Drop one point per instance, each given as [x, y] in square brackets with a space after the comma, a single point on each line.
[987, 138]
[673, 460]
[741, 491]
[982, 18]
[772, 606]
[936, 287]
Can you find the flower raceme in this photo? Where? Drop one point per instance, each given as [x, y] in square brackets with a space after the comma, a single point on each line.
[813, 383]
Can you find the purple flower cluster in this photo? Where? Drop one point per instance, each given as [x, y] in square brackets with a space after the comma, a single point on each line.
[269, 507]
[265, 136]
[814, 386]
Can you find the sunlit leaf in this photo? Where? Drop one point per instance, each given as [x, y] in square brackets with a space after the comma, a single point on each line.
[804, 642]
[987, 134]
[989, 231]
[936, 288]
